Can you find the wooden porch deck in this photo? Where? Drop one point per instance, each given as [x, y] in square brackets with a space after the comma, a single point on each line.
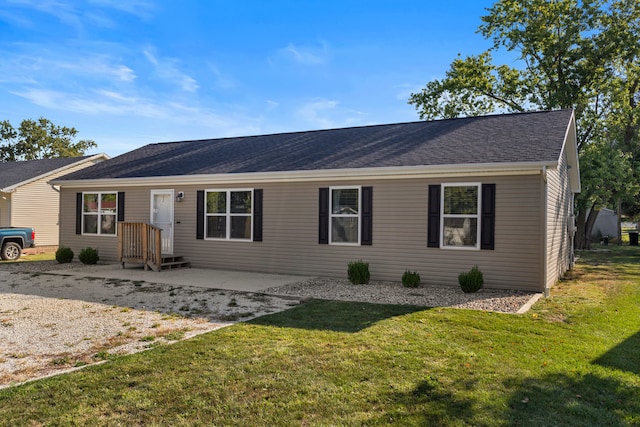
[141, 243]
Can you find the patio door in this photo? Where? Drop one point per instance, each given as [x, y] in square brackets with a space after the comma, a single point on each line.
[162, 217]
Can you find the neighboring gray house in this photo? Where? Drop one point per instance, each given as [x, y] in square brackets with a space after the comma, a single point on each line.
[437, 197]
[606, 224]
[28, 200]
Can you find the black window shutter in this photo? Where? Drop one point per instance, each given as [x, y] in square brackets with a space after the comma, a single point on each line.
[433, 217]
[78, 213]
[323, 212]
[200, 214]
[488, 217]
[366, 237]
[257, 215]
[120, 206]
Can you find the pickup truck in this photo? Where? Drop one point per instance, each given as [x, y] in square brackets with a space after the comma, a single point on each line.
[14, 239]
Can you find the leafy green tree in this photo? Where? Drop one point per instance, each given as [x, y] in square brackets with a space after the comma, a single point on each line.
[607, 174]
[575, 54]
[40, 139]
[623, 122]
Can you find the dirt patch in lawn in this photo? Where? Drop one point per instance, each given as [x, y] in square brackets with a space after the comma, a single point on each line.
[52, 323]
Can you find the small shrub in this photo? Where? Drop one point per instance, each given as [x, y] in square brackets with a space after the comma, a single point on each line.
[358, 272]
[88, 256]
[64, 255]
[411, 279]
[471, 281]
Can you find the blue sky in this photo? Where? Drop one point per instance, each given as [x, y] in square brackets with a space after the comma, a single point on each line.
[126, 73]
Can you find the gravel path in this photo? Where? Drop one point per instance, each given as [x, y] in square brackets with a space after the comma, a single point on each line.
[394, 293]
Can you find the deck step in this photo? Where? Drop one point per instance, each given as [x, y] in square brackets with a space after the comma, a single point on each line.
[174, 262]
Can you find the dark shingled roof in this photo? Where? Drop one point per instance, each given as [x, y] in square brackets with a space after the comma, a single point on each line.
[12, 173]
[507, 138]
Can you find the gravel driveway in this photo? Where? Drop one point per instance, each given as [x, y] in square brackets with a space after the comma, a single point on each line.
[51, 323]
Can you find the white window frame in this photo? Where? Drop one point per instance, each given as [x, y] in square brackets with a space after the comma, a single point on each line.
[99, 214]
[332, 215]
[478, 185]
[228, 215]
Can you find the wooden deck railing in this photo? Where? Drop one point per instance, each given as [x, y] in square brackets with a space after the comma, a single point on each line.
[140, 243]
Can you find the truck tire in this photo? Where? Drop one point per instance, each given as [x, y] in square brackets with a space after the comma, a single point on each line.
[11, 251]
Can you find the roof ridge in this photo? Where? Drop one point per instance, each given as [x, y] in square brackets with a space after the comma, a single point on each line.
[370, 126]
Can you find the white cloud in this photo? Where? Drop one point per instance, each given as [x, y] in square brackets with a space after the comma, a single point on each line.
[102, 102]
[150, 56]
[167, 70]
[221, 80]
[404, 90]
[99, 19]
[16, 18]
[116, 96]
[99, 66]
[43, 64]
[95, 103]
[78, 16]
[188, 84]
[272, 105]
[140, 8]
[311, 112]
[326, 114]
[64, 11]
[305, 55]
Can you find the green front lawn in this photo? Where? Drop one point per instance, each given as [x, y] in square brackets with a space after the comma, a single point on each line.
[44, 256]
[573, 360]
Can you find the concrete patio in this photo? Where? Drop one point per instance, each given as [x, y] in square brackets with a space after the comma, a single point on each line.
[200, 277]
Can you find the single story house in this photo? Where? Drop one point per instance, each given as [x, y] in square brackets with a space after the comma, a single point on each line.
[28, 200]
[436, 197]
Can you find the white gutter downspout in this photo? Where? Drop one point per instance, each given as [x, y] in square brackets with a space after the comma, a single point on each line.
[545, 273]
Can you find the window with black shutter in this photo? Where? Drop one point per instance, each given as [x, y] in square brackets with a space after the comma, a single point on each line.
[461, 215]
[345, 215]
[234, 214]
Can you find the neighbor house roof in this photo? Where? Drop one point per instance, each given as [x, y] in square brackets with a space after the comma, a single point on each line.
[15, 174]
[522, 138]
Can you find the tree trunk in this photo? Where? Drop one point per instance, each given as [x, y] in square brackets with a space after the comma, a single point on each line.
[584, 225]
[579, 239]
[593, 214]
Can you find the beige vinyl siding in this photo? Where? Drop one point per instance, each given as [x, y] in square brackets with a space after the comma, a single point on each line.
[5, 209]
[559, 244]
[290, 233]
[37, 205]
[106, 245]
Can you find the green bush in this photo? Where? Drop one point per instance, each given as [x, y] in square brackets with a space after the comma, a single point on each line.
[358, 272]
[64, 255]
[471, 281]
[411, 279]
[88, 256]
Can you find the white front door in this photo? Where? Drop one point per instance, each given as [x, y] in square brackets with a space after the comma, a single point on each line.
[162, 217]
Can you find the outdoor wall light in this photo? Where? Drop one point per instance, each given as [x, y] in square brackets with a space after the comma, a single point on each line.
[180, 196]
